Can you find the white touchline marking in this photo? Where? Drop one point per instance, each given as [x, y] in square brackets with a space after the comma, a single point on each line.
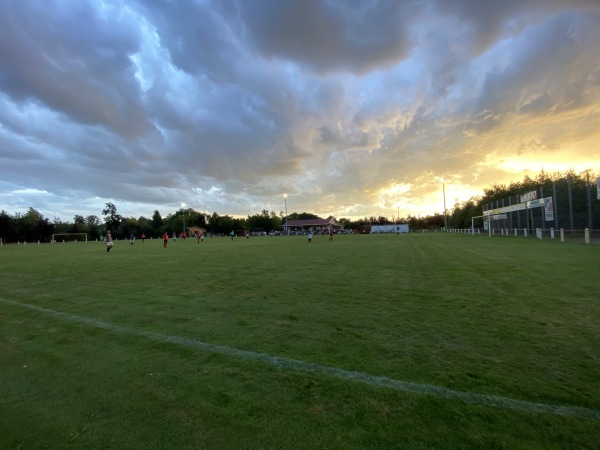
[295, 364]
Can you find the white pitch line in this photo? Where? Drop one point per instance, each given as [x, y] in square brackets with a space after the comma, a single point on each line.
[303, 366]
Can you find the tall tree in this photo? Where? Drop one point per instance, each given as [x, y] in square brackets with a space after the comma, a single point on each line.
[7, 227]
[78, 224]
[196, 218]
[157, 223]
[145, 226]
[265, 221]
[35, 227]
[129, 226]
[111, 218]
[306, 216]
[92, 223]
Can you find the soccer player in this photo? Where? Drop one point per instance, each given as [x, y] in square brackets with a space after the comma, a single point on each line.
[108, 241]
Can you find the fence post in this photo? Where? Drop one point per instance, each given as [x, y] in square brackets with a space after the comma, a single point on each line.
[525, 232]
[587, 235]
[562, 235]
[551, 233]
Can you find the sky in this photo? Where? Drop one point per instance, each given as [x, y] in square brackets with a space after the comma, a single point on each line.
[351, 108]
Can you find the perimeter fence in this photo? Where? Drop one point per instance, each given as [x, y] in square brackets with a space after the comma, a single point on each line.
[567, 209]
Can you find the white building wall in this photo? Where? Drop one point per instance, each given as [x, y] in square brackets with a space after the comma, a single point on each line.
[398, 228]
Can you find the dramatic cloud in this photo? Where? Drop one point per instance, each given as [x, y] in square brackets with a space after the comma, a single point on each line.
[353, 108]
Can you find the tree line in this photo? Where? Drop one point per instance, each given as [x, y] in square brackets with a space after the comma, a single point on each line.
[32, 226]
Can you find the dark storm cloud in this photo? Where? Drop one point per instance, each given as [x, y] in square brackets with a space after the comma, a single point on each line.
[74, 60]
[487, 22]
[356, 36]
[198, 38]
[546, 75]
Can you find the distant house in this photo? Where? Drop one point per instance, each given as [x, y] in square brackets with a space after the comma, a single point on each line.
[315, 225]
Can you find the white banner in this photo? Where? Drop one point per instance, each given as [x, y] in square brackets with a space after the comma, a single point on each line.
[532, 195]
[549, 209]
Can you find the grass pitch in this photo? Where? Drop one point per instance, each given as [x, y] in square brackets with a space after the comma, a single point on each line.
[409, 341]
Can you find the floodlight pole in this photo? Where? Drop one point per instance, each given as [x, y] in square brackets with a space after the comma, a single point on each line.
[286, 216]
[445, 214]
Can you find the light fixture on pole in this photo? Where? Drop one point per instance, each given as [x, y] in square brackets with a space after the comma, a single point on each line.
[286, 217]
[445, 214]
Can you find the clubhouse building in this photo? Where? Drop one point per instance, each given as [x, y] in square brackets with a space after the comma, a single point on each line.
[316, 225]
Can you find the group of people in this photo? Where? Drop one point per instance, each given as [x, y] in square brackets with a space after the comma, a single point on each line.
[199, 235]
[109, 242]
[310, 235]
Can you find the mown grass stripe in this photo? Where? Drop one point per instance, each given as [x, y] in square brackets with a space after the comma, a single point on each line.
[298, 365]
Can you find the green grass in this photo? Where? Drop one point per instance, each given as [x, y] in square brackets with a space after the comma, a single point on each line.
[509, 317]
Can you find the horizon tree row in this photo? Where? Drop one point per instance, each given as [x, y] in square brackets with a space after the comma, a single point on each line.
[32, 226]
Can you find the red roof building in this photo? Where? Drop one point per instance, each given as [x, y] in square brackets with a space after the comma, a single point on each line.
[311, 224]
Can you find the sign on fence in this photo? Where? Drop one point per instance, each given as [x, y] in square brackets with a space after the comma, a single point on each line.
[598, 187]
[532, 195]
[549, 209]
[536, 203]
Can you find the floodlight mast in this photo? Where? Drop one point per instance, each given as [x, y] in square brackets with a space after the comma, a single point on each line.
[287, 233]
[445, 214]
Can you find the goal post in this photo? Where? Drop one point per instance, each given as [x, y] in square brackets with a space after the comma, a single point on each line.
[69, 237]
